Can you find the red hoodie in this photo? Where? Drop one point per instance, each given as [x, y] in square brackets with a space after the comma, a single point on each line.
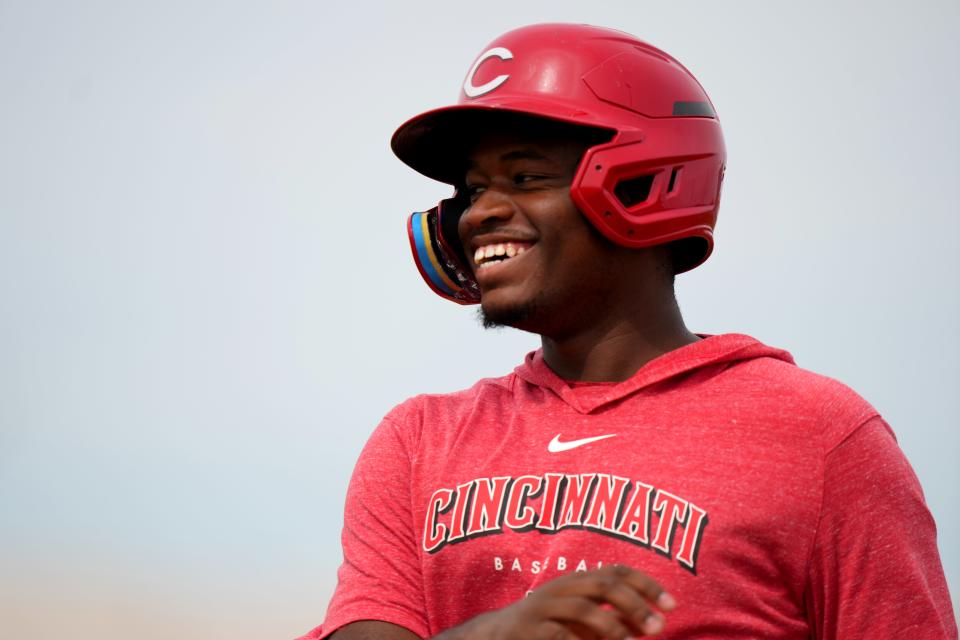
[771, 502]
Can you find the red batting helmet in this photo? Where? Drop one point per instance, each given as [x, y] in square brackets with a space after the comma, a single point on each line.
[656, 178]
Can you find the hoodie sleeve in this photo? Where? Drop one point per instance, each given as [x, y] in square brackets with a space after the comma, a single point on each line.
[875, 570]
[380, 577]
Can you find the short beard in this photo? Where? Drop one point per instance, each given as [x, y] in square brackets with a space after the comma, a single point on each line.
[511, 317]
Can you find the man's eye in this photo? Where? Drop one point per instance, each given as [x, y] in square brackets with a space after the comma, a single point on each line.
[474, 191]
[522, 178]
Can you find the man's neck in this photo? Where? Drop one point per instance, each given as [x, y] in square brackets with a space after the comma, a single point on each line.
[615, 349]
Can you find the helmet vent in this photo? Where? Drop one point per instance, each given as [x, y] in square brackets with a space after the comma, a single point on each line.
[673, 179]
[634, 191]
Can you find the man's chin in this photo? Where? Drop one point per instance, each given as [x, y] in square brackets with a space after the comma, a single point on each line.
[493, 316]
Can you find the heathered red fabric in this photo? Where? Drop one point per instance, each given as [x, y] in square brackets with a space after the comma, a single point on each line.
[770, 501]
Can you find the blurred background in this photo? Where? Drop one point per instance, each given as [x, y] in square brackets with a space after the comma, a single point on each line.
[207, 300]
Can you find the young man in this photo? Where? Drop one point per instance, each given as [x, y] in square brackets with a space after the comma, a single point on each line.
[631, 477]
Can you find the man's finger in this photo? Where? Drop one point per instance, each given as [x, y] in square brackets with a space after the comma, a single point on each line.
[590, 614]
[551, 630]
[645, 585]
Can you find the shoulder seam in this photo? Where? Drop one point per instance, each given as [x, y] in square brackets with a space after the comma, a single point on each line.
[823, 472]
[860, 425]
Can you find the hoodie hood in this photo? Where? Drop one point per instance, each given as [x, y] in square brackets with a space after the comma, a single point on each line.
[703, 355]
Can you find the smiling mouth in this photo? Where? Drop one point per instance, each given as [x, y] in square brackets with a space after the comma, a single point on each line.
[490, 254]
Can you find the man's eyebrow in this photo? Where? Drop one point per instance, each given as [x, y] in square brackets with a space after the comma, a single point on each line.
[518, 154]
[523, 154]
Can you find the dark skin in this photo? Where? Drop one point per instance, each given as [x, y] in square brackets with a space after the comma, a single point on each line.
[602, 312]
[567, 608]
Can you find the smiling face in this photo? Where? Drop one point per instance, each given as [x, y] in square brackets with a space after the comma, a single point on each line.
[539, 263]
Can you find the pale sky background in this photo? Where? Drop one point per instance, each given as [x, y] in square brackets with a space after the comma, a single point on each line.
[207, 300]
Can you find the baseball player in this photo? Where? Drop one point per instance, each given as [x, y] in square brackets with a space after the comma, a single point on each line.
[630, 477]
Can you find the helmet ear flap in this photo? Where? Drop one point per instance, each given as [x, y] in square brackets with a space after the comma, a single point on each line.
[638, 193]
[441, 263]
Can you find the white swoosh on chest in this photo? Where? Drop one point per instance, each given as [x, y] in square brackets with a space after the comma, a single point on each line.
[556, 446]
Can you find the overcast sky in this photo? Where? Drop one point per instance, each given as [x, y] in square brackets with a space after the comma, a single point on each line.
[207, 300]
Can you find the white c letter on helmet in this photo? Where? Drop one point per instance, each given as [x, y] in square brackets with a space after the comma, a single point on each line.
[473, 91]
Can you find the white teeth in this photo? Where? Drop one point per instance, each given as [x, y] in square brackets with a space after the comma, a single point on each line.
[505, 250]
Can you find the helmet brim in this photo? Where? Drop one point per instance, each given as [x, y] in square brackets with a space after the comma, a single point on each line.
[436, 143]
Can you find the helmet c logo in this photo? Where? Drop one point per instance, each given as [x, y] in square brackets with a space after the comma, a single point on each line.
[474, 91]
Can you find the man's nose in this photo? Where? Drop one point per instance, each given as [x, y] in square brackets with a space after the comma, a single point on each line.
[490, 207]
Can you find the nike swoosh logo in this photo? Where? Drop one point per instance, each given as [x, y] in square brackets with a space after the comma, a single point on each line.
[556, 446]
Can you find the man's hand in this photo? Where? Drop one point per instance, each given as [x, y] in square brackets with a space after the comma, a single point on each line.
[615, 602]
